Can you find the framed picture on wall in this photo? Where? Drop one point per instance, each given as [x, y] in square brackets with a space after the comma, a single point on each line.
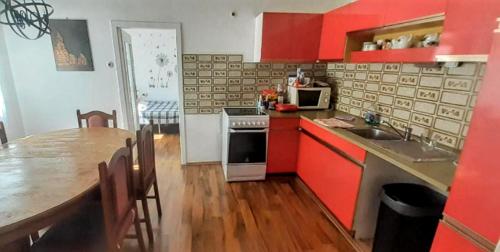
[71, 45]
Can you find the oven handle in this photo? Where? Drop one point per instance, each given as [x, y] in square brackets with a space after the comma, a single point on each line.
[248, 131]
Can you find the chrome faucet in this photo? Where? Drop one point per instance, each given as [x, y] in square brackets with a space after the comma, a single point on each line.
[406, 137]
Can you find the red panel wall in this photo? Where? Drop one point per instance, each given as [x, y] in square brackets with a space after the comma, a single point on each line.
[474, 197]
[447, 240]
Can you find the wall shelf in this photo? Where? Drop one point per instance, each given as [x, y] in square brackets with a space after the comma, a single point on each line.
[418, 55]
[417, 28]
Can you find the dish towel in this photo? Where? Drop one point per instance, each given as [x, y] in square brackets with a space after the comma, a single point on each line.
[333, 123]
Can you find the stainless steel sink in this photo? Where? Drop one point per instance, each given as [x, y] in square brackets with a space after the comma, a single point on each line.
[417, 152]
[375, 134]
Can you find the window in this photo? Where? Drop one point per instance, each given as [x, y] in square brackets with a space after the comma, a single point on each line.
[2, 106]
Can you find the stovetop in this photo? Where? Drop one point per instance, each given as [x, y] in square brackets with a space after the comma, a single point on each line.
[244, 112]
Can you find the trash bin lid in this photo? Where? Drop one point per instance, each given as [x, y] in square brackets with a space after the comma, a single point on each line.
[413, 200]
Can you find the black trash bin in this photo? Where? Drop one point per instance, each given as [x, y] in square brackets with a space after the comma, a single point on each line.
[407, 218]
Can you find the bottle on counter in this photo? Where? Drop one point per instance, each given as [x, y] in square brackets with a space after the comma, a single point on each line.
[281, 93]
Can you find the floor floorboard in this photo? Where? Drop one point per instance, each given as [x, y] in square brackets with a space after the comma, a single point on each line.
[201, 212]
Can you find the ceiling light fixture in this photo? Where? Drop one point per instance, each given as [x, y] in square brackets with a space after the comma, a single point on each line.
[29, 19]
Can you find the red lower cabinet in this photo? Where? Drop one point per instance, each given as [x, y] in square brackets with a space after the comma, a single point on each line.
[447, 240]
[334, 179]
[283, 145]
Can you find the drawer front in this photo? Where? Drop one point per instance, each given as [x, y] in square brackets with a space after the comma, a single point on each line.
[284, 123]
[349, 148]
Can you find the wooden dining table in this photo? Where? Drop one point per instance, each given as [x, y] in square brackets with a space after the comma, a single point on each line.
[43, 178]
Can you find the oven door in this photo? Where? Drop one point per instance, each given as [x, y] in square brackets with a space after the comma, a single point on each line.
[247, 146]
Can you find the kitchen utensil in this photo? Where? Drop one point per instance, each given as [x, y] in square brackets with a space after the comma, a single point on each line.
[403, 42]
[369, 46]
[430, 40]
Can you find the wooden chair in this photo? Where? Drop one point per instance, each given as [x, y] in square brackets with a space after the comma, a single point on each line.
[104, 226]
[145, 176]
[96, 119]
[3, 135]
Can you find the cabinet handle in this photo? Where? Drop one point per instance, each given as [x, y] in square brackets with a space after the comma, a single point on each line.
[340, 152]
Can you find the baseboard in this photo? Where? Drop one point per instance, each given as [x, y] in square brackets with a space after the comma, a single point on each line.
[203, 163]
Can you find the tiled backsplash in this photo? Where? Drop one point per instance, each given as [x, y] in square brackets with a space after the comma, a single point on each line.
[215, 81]
[434, 101]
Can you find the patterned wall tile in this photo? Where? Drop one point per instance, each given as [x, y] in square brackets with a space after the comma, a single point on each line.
[434, 101]
[431, 81]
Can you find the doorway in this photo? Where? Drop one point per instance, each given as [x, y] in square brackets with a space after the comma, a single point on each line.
[149, 67]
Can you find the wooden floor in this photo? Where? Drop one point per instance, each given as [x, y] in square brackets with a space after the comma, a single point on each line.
[201, 212]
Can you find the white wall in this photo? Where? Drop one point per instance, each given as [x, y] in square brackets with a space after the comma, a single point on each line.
[48, 99]
[12, 118]
[155, 82]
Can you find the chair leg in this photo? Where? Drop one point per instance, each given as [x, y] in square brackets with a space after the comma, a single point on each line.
[34, 236]
[138, 232]
[157, 197]
[147, 218]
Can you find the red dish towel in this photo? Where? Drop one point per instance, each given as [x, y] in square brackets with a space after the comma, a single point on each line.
[333, 123]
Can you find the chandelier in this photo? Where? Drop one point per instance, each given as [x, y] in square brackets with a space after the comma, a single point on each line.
[27, 18]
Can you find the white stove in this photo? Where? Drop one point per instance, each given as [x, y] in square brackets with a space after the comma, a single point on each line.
[244, 144]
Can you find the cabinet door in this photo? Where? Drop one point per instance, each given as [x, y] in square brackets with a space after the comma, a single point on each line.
[468, 27]
[446, 240]
[398, 11]
[290, 36]
[337, 23]
[276, 30]
[333, 36]
[282, 150]
[332, 178]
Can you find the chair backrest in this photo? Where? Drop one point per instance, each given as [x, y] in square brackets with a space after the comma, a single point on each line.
[96, 119]
[146, 155]
[3, 134]
[118, 195]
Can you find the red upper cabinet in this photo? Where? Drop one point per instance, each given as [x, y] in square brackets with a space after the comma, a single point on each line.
[333, 36]
[399, 11]
[364, 14]
[283, 145]
[287, 37]
[468, 28]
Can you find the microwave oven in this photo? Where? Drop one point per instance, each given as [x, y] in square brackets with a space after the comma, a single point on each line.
[310, 98]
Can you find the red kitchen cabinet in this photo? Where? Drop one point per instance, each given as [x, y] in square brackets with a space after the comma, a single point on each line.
[283, 145]
[288, 37]
[337, 23]
[473, 200]
[334, 179]
[398, 11]
[468, 27]
[447, 240]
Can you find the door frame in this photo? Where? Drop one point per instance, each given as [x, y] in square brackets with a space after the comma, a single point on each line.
[117, 26]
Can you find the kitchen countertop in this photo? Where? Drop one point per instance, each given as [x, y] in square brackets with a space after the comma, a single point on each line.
[438, 174]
